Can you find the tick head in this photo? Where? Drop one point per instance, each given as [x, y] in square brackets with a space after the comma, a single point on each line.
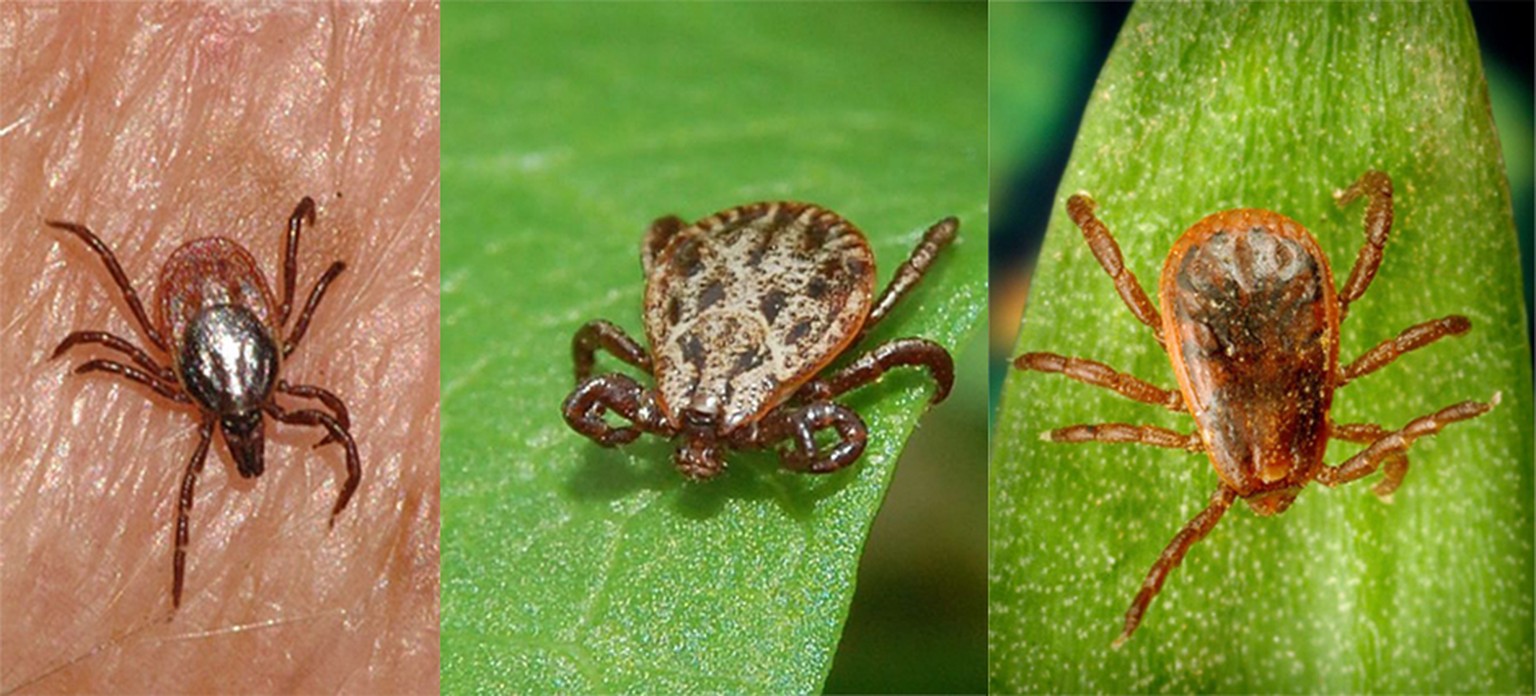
[242, 432]
[1273, 502]
[699, 457]
[698, 422]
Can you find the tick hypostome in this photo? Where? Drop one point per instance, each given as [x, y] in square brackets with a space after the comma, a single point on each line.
[1250, 320]
[744, 311]
[216, 324]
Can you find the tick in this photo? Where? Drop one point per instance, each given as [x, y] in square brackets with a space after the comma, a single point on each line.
[1250, 320]
[225, 342]
[744, 311]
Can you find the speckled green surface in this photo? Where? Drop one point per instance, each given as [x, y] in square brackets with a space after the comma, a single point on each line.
[1277, 106]
[567, 129]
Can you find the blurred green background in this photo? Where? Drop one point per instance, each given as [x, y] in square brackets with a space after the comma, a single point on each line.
[567, 128]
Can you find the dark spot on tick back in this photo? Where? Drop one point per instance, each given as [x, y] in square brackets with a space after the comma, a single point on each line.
[817, 288]
[674, 310]
[693, 350]
[760, 247]
[712, 294]
[816, 235]
[686, 259]
[799, 330]
[749, 358]
[832, 268]
[773, 303]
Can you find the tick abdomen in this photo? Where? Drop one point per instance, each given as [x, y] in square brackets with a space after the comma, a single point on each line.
[205, 273]
[742, 308]
[1251, 321]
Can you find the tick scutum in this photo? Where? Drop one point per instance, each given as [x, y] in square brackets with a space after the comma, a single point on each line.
[228, 363]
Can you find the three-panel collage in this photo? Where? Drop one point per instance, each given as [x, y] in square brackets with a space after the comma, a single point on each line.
[766, 348]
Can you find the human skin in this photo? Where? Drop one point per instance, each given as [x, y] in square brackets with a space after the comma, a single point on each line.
[154, 125]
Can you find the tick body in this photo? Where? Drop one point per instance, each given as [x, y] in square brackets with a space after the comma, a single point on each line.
[217, 322]
[744, 312]
[1250, 320]
[1252, 323]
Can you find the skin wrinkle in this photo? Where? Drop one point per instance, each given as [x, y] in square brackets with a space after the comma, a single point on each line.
[153, 125]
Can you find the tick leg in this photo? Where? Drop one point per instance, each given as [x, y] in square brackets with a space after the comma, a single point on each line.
[118, 344]
[911, 271]
[184, 508]
[607, 336]
[799, 425]
[134, 305]
[592, 399]
[331, 401]
[338, 434]
[1393, 469]
[305, 210]
[1392, 444]
[169, 391]
[1192, 532]
[315, 295]
[1413, 338]
[1100, 375]
[1102, 243]
[656, 238]
[902, 352]
[1377, 188]
[1121, 432]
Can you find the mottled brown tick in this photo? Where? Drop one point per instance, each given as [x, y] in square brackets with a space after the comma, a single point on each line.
[1250, 320]
[217, 324]
[743, 311]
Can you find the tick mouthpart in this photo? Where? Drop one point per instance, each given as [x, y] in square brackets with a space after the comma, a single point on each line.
[699, 458]
[697, 422]
[243, 435]
[1273, 502]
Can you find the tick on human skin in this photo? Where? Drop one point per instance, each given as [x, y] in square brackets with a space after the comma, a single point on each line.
[1250, 320]
[226, 344]
[744, 311]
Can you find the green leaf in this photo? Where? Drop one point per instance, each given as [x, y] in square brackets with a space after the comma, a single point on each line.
[567, 129]
[1277, 106]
